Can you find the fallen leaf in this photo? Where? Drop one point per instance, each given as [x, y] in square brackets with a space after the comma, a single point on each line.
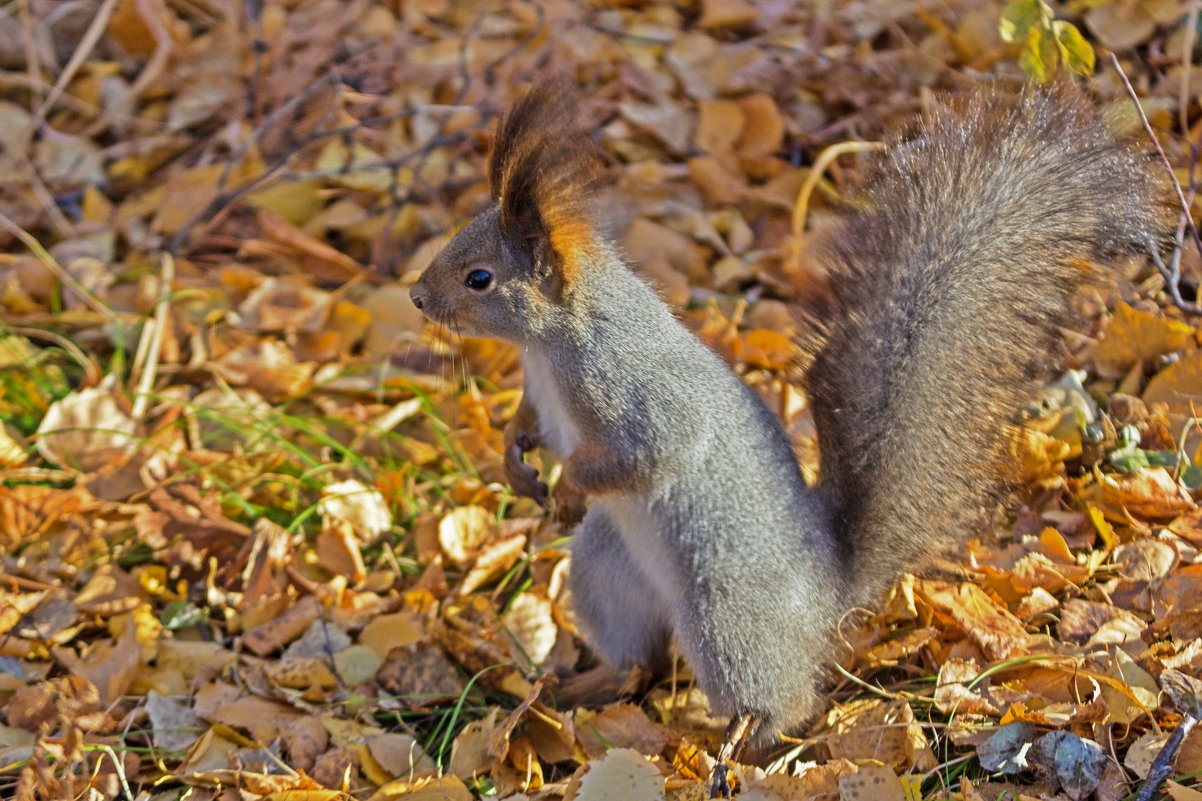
[462, 531]
[353, 504]
[1007, 750]
[999, 633]
[175, 725]
[84, 430]
[882, 730]
[623, 774]
[871, 782]
[419, 675]
[275, 634]
[1135, 335]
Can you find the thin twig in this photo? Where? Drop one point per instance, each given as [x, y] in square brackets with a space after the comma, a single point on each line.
[383, 164]
[1185, 209]
[1162, 765]
[1187, 61]
[63, 226]
[49, 262]
[801, 206]
[291, 104]
[162, 318]
[92, 372]
[1171, 272]
[84, 49]
[217, 207]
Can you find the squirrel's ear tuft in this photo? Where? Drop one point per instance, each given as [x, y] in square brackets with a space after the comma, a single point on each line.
[543, 170]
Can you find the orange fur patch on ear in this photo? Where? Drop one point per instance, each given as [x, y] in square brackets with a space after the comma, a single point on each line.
[570, 239]
[543, 172]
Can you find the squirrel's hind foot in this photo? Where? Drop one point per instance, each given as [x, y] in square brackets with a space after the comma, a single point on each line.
[741, 730]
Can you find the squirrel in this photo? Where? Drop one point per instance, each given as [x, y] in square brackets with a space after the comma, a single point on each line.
[936, 321]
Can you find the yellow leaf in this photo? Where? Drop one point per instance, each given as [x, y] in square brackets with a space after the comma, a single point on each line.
[1129, 691]
[1179, 386]
[1038, 58]
[912, 785]
[1020, 17]
[96, 207]
[1054, 544]
[1077, 54]
[344, 162]
[1134, 335]
[871, 783]
[463, 531]
[443, 788]
[1105, 530]
[295, 201]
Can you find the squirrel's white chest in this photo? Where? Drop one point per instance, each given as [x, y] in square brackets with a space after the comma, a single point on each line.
[559, 431]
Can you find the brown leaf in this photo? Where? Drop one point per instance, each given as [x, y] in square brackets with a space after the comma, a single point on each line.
[719, 15]
[86, 429]
[48, 705]
[28, 511]
[304, 741]
[954, 696]
[386, 632]
[1147, 494]
[110, 591]
[719, 181]
[475, 748]
[877, 729]
[420, 675]
[552, 733]
[275, 634]
[263, 719]
[622, 726]
[994, 628]
[719, 126]
[319, 259]
[400, 755]
[764, 133]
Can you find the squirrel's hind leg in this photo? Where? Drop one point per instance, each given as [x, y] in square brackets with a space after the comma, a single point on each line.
[621, 614]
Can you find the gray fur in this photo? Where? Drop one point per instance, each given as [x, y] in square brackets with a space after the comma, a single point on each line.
[943, 308]
[935, 328]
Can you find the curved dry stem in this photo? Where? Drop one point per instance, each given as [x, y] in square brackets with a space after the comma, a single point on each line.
[801, 206]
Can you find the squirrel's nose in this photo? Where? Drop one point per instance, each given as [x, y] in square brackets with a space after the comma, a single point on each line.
[416, 295]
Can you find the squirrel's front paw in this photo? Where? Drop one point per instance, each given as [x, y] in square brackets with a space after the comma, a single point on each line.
[570, 503]
[523, 477]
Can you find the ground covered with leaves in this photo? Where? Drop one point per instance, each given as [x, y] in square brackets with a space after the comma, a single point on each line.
[255, 537]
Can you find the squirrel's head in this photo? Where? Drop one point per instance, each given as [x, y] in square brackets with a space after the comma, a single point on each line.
[509, 271]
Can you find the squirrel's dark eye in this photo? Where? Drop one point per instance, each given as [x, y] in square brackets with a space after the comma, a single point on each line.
[478, 279]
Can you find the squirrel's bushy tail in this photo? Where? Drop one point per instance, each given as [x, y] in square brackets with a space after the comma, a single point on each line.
[939, 316]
